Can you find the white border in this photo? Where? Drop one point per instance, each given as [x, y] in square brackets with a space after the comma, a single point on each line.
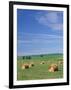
[26, 82]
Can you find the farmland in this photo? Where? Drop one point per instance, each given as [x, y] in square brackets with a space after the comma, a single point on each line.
[39, 71]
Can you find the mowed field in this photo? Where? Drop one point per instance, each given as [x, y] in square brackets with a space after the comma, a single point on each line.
[39, 71]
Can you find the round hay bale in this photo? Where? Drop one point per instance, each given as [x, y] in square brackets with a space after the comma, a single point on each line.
[42, 62]
[25, 66]
[22, 67]
[31, 64]
[60, 62]
[53, 68]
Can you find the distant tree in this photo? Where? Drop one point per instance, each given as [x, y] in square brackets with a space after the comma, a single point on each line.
[28, 57]
[23, 57]
[41, 55]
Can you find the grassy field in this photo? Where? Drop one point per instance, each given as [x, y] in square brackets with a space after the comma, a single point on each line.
[39, 71]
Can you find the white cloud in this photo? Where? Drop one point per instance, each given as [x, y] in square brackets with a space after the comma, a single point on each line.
[50, 19]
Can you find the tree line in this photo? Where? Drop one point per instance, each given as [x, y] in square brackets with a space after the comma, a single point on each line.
[26, 57]
[30, 57]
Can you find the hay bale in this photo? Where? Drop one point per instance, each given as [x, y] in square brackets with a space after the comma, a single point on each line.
[31, 64]
[25, 66]
[60, 62]
[53, 68]
[42, 62]
[22, 67]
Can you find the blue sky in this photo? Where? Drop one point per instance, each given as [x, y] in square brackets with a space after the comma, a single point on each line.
[39, 32]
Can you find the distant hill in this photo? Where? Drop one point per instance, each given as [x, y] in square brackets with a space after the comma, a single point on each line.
[48, 56]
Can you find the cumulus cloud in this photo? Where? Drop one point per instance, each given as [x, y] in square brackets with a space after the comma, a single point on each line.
[53, 20]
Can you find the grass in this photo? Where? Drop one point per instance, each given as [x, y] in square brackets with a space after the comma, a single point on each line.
[39, 71]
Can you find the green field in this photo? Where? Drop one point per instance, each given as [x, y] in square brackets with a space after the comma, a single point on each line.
[39, 71]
